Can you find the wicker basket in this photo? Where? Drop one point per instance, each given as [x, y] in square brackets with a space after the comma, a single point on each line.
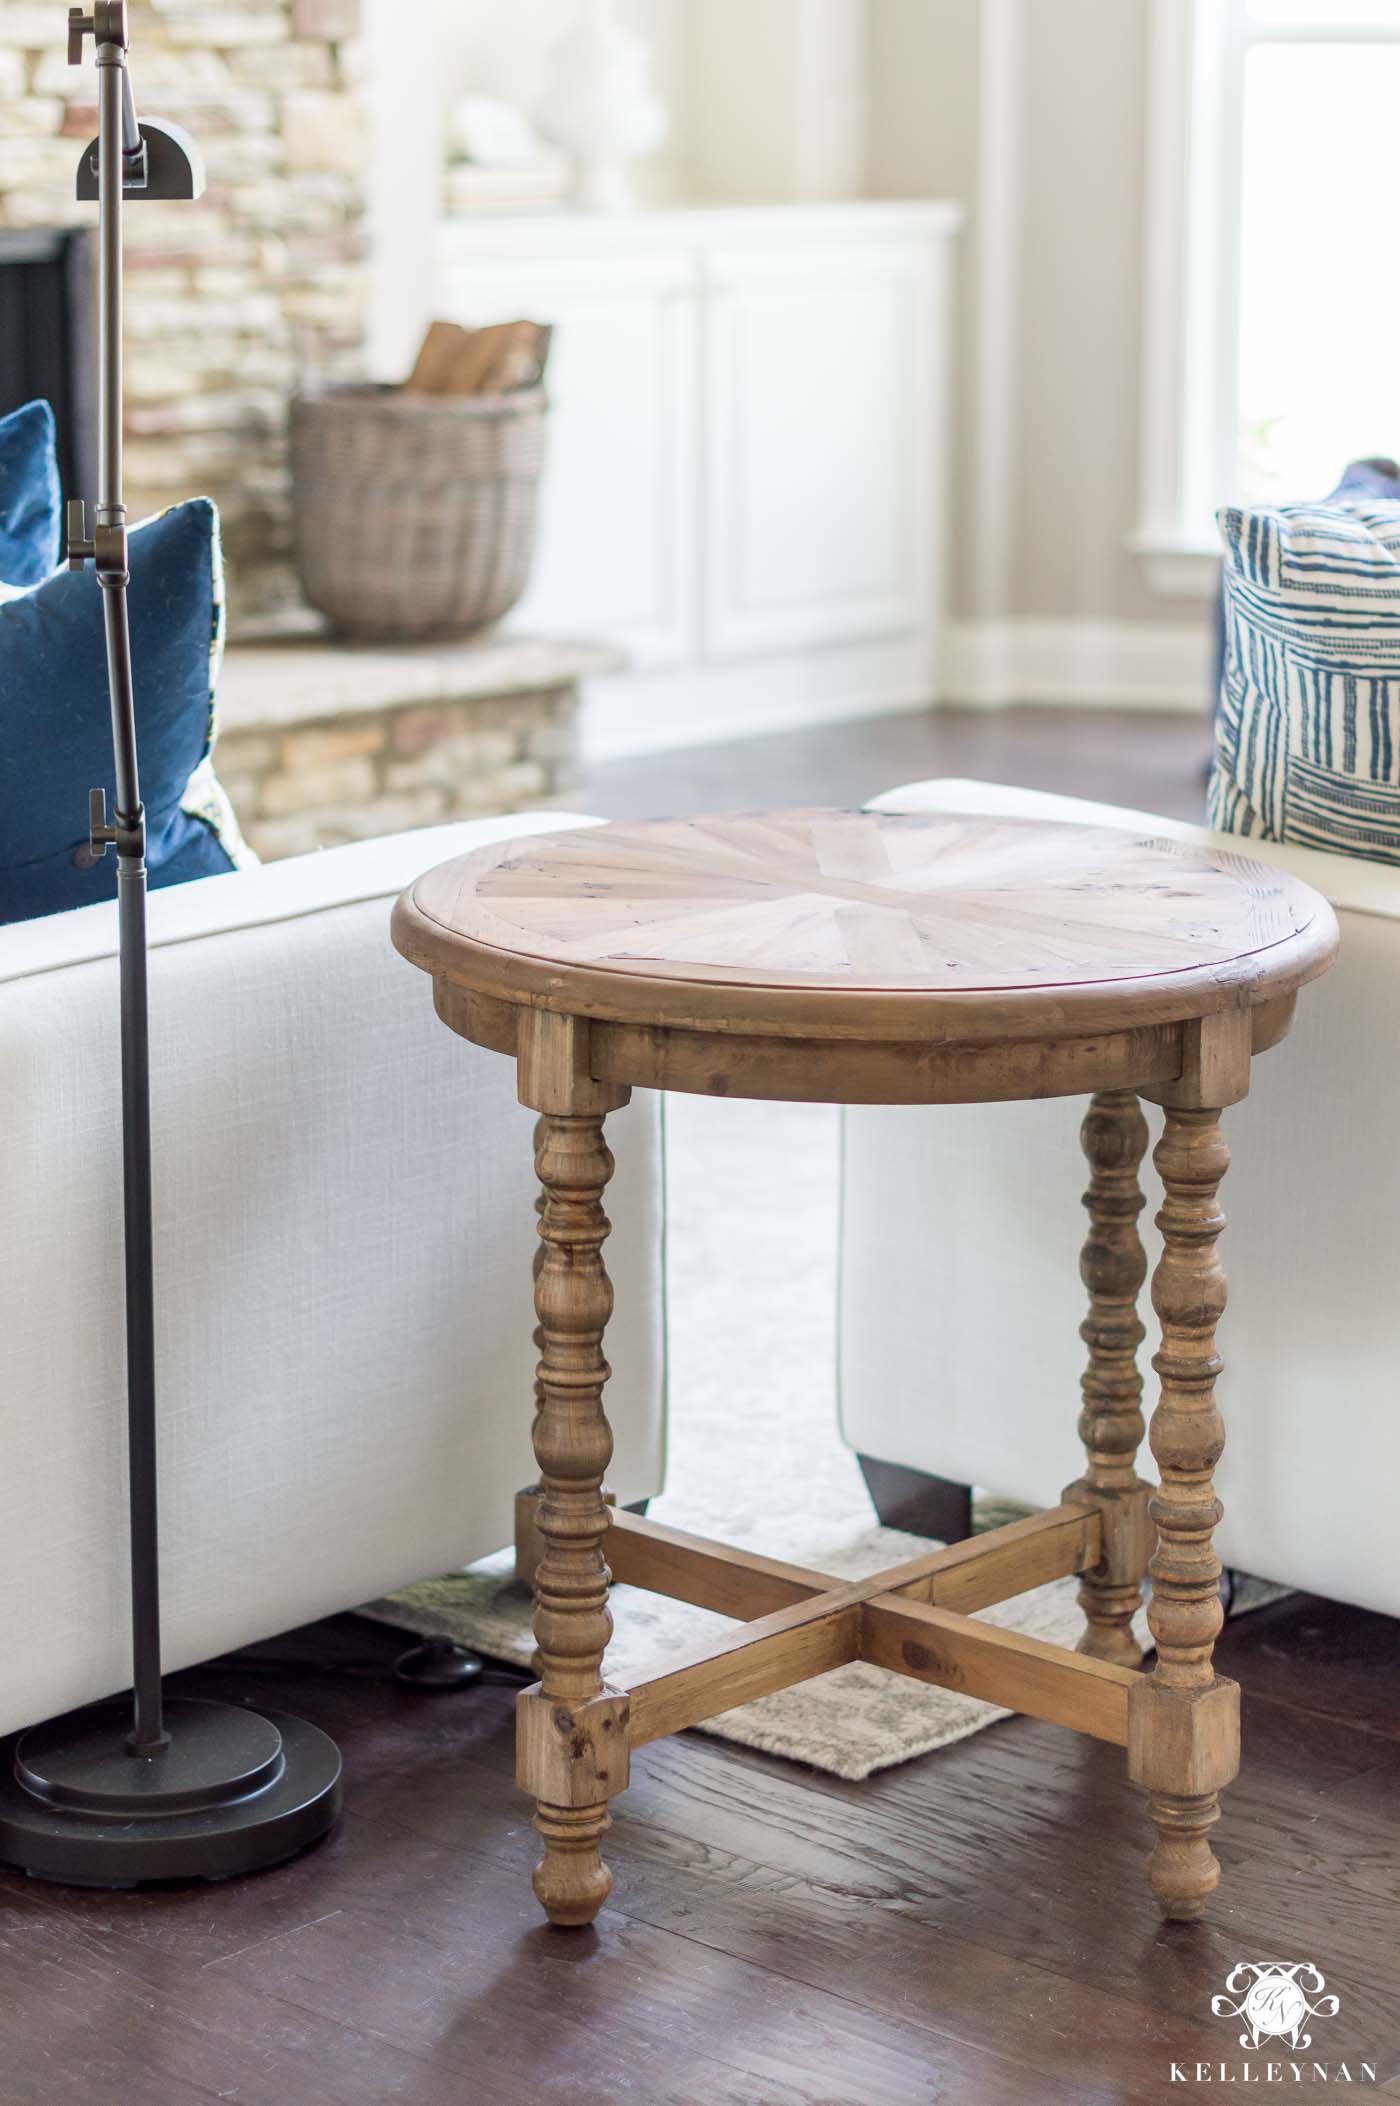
[414, 515]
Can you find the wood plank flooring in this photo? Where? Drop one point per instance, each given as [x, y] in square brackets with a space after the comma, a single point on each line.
[973, 1927]
[1152, 760]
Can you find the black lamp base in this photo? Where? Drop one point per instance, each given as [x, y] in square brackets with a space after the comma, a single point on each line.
[232, 1792]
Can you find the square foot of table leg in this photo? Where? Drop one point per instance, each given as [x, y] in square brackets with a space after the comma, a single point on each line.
[572, 1759]
[1183, 1749]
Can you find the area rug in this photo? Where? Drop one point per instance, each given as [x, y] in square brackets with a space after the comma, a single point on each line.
[755, 1458]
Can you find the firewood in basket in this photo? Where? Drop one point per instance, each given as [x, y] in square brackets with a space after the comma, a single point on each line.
[437, 355]
[520, 360]
[494, 360]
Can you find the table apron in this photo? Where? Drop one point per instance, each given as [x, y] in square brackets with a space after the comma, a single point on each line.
[853, 1071]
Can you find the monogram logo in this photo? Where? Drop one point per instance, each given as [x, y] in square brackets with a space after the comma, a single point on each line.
[1273, 2000]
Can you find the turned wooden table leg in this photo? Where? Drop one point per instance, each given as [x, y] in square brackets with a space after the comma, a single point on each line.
[529, 1543]
[1113, 1267]
[1183, 1726]
[572, 1730]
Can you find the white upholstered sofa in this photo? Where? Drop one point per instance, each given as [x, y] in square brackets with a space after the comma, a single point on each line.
[344, 1231]
[960, 1295]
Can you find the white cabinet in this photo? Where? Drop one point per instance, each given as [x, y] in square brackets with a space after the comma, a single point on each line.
[819, 468]
[746, 462]
[619, 516]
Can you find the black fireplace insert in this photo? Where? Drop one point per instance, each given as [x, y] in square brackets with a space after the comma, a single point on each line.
[46, 342]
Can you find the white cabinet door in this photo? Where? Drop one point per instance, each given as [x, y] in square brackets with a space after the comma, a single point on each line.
[821, 396]
[617, 553]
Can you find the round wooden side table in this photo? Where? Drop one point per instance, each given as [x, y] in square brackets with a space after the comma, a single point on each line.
[867, 958]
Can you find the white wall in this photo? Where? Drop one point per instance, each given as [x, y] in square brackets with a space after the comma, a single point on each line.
[925, 141]
[767, 97]
[403, 182]
[503, 48]
[1083, 115]
[1034, 113]
[777, 99]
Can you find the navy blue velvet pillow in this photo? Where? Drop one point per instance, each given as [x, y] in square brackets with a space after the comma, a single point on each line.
[55, 723]
[29, 499]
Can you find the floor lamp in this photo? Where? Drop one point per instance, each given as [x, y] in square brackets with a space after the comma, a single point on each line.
[128, 1792]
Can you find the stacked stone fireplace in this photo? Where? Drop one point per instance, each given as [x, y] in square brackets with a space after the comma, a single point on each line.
[236, 300]
[232, 304]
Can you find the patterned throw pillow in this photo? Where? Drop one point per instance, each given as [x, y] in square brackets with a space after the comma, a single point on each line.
[55, 720]
[29, 500]
[1308, 731]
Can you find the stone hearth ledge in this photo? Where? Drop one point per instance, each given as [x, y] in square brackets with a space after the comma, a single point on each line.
[286, 681]
[321, 743]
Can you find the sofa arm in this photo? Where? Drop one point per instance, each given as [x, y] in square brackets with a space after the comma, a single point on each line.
[961, 1225]
[344, 1234]
[269, 892]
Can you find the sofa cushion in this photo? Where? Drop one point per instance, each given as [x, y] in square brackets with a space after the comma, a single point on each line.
[343, 1235]
[29, 496]
[1308, 731]
[290, 889]
[55, 720]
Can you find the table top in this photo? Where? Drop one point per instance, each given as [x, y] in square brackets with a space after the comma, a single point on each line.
[866, 924]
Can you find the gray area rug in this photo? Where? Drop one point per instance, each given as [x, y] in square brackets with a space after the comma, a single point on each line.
[755, 1458]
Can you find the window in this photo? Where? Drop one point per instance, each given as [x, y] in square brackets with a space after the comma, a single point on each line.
[1273, 304]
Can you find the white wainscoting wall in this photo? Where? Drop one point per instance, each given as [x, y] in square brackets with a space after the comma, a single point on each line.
[1065, 660]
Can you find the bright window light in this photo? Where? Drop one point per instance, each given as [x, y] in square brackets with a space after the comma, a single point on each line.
[1319, 290]
[1328, 13]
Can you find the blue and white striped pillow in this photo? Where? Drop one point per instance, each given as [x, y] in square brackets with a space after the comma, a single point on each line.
[1308, 732]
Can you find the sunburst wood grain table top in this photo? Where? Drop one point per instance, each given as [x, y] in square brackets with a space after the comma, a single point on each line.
[896, 932]
[883, 958]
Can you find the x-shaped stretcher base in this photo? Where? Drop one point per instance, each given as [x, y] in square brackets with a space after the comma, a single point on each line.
[914, 1619]
[791, 1623]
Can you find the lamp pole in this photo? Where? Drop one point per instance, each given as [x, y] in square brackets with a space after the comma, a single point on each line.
[116, 1795]
[119, 142]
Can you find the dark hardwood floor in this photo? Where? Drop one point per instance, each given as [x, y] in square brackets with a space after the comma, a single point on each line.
[972, 1927]
[1151, 760]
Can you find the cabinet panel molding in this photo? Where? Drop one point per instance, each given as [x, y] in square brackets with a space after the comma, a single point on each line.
[819, 448]
[747, 459]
